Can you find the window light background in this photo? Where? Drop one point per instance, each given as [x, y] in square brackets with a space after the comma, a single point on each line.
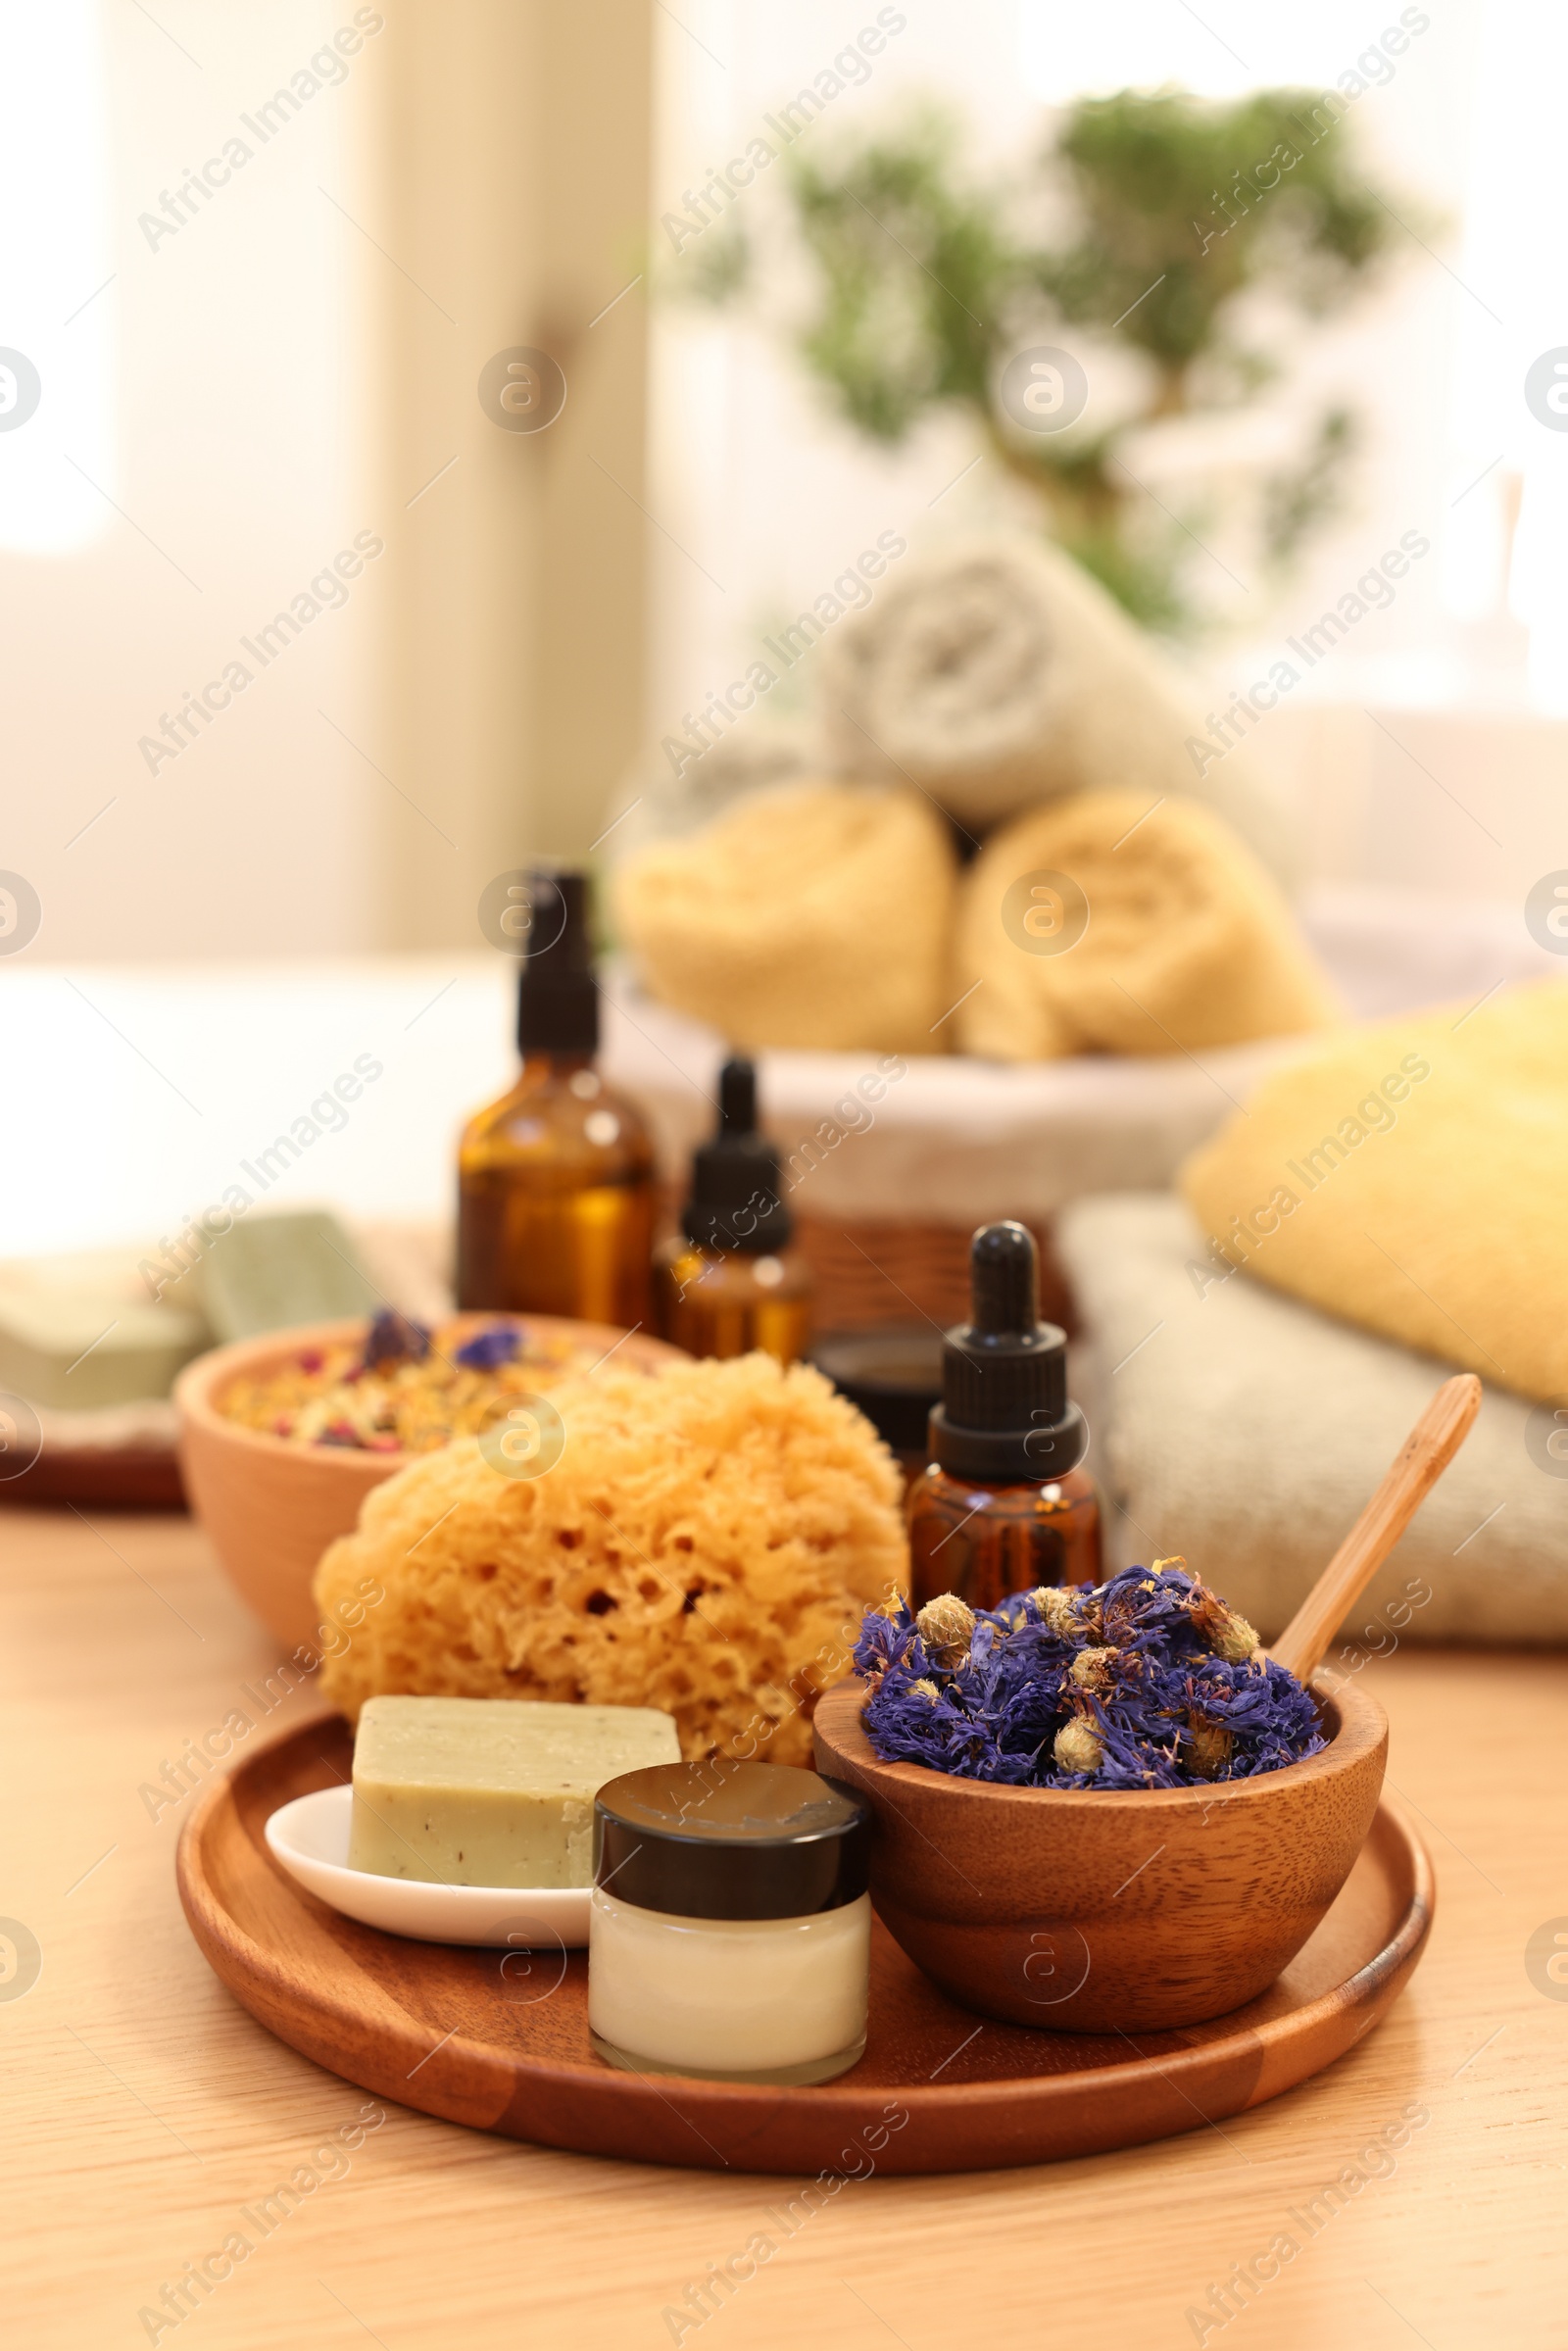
[770, 496]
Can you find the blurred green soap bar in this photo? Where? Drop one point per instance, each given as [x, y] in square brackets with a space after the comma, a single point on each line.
[268, 1272]
[491, 1792]
[80, 1333]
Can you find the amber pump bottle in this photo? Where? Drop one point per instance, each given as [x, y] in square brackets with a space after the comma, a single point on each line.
[1003, 1504]
[729, 1281]
[556, 1180]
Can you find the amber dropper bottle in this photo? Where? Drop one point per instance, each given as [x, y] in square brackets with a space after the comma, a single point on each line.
[1003, 1505]
[556, 1180]
[729, 1281]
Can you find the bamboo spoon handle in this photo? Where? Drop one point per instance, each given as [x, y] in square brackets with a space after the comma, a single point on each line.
[1411, 1475]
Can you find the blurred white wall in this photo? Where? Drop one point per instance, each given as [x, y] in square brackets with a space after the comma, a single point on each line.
[208, 389]
[261, 395]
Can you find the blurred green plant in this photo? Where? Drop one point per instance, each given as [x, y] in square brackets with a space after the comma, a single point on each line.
[1193, 230]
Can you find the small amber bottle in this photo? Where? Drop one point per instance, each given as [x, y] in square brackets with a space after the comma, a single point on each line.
[1003, 1505]
[729, 1281]
[556, 1180]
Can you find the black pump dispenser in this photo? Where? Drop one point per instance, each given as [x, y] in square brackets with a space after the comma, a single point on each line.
[735, 1202]
[1004, 1416]
[557, 998]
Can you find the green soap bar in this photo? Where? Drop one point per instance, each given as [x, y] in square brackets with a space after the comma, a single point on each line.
[81, 1333]
[491, 1792]
[268, 1272]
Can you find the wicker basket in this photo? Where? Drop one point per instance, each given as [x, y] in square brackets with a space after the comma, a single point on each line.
[878, 1273]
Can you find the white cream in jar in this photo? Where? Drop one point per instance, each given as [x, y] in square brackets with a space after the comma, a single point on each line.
[729, 1933]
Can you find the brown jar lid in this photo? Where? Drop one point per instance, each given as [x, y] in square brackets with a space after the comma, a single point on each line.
[723, 1840]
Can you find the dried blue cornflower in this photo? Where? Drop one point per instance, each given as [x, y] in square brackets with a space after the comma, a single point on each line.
[490, 1347]
[394, 1338]
[1148, 1679]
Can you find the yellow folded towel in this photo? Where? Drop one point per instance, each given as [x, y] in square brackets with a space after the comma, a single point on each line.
[1109, 923]
[817, 915]
[1412, 1178]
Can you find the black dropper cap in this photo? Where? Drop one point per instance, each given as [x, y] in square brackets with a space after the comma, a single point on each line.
[558, 1000]
[1004, 1414]
[735, 1202]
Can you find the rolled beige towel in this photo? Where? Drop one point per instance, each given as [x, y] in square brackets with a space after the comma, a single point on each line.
[1108, 923]
[996, 673]
[816, 915]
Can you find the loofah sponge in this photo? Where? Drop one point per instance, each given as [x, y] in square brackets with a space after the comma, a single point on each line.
[816, 915]
[1113, 922]
[704, 1542]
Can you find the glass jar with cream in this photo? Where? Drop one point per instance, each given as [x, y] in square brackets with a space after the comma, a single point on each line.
[729, 1934]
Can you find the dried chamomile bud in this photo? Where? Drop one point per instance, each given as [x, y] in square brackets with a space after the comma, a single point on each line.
[1207, 1747]
[1076, 1747]
[1059, 1608]
[1221, 1629]
[1092, 1669]
[1233, 1637]
[926, 1690]
[947, 1627]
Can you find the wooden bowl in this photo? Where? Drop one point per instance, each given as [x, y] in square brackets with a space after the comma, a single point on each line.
[272, 1506]
[1092, 1911]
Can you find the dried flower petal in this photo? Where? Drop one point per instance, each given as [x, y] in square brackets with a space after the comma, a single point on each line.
[395, 1338]
[498, 1342]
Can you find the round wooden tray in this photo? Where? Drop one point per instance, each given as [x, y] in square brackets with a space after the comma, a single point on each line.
[499, 2041]
[101, 1476]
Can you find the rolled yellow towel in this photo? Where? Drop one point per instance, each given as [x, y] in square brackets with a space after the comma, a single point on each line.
[1105, 922]
[817, 915]
[1411, 1177]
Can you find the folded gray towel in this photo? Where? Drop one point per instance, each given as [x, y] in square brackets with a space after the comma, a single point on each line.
[995, 673]
[1244, 1431]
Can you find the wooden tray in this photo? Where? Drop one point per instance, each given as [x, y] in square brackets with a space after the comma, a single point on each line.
[100, 1477]
[501, 2043]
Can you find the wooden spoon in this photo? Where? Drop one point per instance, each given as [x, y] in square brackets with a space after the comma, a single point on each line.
[1415, 1469]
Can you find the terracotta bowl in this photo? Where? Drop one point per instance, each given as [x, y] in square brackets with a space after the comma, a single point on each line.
[1094, 1912]
[272, 1506]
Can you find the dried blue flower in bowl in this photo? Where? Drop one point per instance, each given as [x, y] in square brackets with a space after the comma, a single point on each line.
[497, 1344]
[1146, 1680]
[395, 1338]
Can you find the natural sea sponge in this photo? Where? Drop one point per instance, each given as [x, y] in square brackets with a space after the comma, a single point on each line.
[706, 1543]
[817, 915]
[1110, 922]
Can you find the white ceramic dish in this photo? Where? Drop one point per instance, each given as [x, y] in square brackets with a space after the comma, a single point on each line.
[310, 1837]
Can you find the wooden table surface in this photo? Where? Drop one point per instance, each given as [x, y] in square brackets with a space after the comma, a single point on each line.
[144, 2109]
